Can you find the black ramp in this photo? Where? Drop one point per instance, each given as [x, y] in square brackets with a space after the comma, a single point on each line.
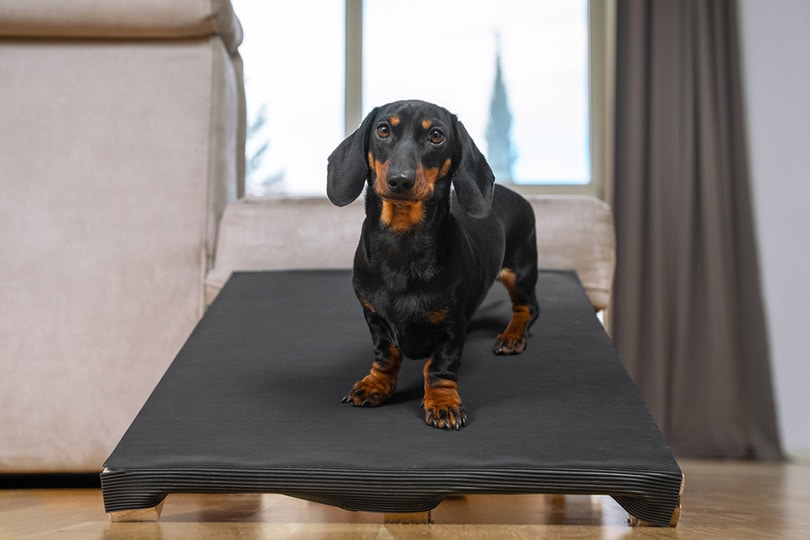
[252, 403]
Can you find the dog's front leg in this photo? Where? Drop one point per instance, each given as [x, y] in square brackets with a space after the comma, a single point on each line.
[442, 403]
[376, 387]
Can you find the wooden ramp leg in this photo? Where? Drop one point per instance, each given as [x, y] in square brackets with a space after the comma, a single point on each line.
[411, 518]
[140, 514]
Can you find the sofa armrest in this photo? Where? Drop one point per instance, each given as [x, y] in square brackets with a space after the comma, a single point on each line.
[121, 147]
[577, 232]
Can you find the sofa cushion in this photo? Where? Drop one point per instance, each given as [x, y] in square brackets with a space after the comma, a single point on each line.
[282, 234]
[573, 232]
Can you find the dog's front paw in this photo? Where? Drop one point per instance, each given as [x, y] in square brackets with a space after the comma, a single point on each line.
[443, 408]
[507, 345]
[371, 391]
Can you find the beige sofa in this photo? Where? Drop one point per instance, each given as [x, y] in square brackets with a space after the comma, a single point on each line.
[121, 141]
[573, 232]
[121, 159]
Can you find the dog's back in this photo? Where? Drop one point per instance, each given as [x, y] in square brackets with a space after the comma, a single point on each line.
[504, 239]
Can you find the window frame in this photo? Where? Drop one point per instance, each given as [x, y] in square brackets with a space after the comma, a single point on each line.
[601, 14]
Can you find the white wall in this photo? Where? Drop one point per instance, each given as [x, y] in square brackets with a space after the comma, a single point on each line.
[776, 69]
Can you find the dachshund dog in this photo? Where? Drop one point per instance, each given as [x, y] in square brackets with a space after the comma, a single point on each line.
[428, 255]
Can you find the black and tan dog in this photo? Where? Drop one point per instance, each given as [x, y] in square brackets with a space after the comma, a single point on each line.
[428, 255]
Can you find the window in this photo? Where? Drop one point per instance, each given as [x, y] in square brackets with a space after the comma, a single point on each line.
[293, 61]
[516, 72]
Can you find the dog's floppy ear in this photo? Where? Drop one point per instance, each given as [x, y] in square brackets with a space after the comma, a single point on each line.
[347, 167]
[473, 180]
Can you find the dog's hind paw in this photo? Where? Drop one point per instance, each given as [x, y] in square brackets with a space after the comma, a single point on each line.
[506, 346]
[513, 339]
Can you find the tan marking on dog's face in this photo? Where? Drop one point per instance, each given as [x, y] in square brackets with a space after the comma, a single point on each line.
[425, 182]
[426, 124]
[399, 216]
[445, 168]
[394, 120]
[380, 170]
[426, 178]
[402, 216]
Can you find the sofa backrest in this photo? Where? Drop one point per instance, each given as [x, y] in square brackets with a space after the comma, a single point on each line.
[573, 232]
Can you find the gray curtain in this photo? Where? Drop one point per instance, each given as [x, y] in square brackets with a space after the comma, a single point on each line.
[687, 314]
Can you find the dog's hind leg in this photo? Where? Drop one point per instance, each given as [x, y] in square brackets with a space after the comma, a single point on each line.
[525, 309]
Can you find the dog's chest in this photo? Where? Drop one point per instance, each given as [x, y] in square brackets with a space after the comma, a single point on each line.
[414, 318]
[412, 309]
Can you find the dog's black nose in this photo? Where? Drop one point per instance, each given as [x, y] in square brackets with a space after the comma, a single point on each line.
[400, 183]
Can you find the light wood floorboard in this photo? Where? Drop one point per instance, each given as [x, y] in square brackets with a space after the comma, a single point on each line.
[722, 500]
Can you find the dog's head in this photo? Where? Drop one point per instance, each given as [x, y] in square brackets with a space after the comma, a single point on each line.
[403, 150]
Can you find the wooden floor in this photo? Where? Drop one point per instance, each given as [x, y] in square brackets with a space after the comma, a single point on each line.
[730, 500]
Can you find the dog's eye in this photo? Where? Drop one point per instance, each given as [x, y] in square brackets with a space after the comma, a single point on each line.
[436, 136]
[383, 131]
